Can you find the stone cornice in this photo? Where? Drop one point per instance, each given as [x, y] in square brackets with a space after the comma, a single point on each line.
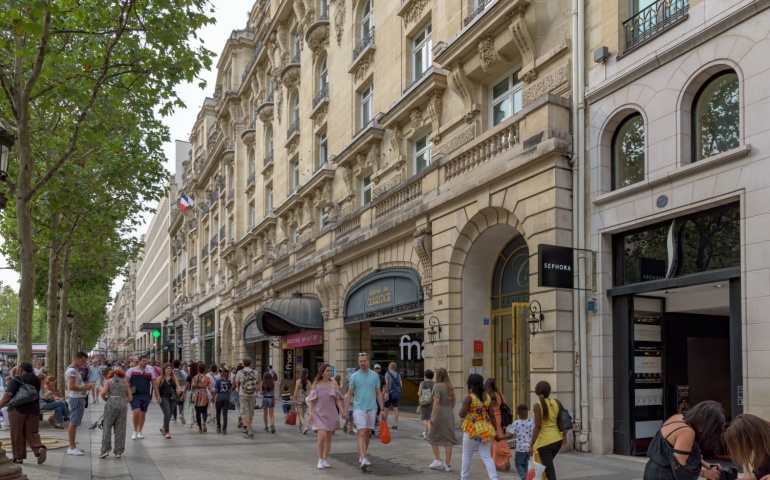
[416, 96]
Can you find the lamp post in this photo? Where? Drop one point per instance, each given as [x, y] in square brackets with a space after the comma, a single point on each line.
[6, 143]
[536, 317]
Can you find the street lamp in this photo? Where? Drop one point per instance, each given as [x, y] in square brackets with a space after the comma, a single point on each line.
[434, 331]
[536, 317]
[6, 143]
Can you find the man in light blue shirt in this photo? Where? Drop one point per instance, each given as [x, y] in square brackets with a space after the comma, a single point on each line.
[364, 386]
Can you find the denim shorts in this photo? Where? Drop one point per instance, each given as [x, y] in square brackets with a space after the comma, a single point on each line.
[77, 409]
[141, 401]
[286, 407]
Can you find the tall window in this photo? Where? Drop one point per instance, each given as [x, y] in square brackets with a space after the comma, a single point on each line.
[367, 98]
[295, 40]
[421, 153]
[294, 234]
[232, 136]
[295, 107]
[323, 149]
[421, 52]
[506, 98]
[628, 152]
[215, 227]
[323, 218]
[323, 74]
[252, 162]
[253, 114]
[231, 228]
[294, 173]
[367, 19]
[252, 215]
[716, 116]
[366, 189]
[269, 198]
[269, 140]
[323, 9]
[270, 85]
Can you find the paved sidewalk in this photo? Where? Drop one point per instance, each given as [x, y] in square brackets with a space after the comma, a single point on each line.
[283, 455]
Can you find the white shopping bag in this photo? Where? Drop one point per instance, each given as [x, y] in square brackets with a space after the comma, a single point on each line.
[535, 470]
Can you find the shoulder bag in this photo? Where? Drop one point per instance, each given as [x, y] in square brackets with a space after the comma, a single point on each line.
[563, 419]
[27, 393]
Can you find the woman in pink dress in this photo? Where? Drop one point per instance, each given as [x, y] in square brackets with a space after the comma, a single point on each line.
[324, 408]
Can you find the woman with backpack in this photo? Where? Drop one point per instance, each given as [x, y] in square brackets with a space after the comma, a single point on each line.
[268, 400]
[546, 438]
[200, 388]
[425, 400]
[301, 390]
[24, 413]
[501, 452]
[393, 389]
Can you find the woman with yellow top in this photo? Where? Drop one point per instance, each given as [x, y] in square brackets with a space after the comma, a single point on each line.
[546, 438]
[479, 427]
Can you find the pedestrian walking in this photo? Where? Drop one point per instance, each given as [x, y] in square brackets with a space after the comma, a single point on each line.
[78, 394]
[393, 385]
[247, 384]
[546, 438]
[213, 377]
[675, 451]
[384, 394]
[324, 402]
[200, 397]
[364, 390]
[521, 430]
[286, 402]
[442, 421]
[141, 379]
[95, 377]
[222, 390]
[501, 452]
[24, 414]
[169, 389]
[181, 380]
[189, 404]
[425, 401]
[4, 370]
[301, 390]
[478, 427]
[117, 396]
[48, 401]
[268, 400]
[748, 441]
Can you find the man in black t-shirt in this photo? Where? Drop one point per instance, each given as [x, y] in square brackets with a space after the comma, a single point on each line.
[24, 418]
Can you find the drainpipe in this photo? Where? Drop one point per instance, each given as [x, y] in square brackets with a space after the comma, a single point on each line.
[578, 223]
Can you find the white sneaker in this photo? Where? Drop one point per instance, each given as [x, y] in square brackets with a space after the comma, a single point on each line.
[75, 451]
[363, 465]
[447, 468]
[436, 465]
[326, 464]
[139, 435]
[366, 460]
[133, 436]
[320, 465]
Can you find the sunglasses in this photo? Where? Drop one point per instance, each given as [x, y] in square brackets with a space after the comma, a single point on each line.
[362, 354]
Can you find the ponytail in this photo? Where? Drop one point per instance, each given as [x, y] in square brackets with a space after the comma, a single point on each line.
[543, 390]
[543, 406]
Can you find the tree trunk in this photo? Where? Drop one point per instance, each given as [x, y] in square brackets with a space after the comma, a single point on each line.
[26, 243]
[63, 338]
[51, 347]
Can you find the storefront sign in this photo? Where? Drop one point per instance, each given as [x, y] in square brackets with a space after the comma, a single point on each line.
[407, 344]
[556, 266]
[478, 348]
[651, 269]
[304, 339]
[382, 294]
[251, 332]
[288, 364]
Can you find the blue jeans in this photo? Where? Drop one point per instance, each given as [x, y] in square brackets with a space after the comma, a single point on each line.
[521, 459]
[59, 407]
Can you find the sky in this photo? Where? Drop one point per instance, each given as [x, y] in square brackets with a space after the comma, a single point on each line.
[230, 15]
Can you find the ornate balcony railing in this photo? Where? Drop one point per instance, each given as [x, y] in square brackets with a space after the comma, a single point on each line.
[213, 244]
[193, 262]
[323, 93]
[653, 20]
[491, 144]
[365, 41]
[268, 159]
[251, 178]
[293, 128]
[476, 11]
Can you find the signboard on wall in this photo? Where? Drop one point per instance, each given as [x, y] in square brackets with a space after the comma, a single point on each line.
[304, 339]
[555, 266]
[288, 364]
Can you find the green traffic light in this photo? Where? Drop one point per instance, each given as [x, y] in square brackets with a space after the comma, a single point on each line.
[156, 333]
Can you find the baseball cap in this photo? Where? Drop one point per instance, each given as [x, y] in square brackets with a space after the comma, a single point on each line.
[376, 366]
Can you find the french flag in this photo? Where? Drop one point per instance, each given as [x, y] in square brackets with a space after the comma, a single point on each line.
[184, 202]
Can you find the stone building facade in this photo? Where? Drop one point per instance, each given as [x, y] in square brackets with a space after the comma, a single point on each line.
[376, 177]
[678, 212]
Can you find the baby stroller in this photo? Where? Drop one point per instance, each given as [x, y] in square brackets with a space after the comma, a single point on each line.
[99, 423]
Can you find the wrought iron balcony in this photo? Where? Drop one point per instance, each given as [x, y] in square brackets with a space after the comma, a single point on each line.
[323, 93]
[213, 244]
[193, 262]
[205, 252]
[251, 178]
[365, 41]
[653, 20]
[293, 128]
[476, 12]
[268, 159]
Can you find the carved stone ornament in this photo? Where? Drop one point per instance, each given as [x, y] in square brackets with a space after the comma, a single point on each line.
[487, 52]
[388, 184]
[292, 146]
[279, 103]
[236, 112]
[435, 108]
[333, 288]
[268, 172]
[320, 115]
[549, 83]
[266, 114]
[373, 157]
[363, 66]
[455, 142]
[414, 13]
[416, 116]
[397, 142]
[461, 85]
[423, 241]
[520, 34]
[291, 78]
[347, 177]
[318, 39]
[339, 19]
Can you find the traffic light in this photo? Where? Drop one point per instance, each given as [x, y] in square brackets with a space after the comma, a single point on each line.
[156, 333]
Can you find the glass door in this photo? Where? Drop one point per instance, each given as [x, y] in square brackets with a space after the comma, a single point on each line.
[511, 353]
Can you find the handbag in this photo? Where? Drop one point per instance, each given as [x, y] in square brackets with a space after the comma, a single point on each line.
[27, 393]
[291, 418]
[506, 415]
[384, 433]
[563, 419]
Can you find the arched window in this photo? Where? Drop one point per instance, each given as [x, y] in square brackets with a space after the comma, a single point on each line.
[323, 74]
[367, 19]
[628, 152]
[716, 116]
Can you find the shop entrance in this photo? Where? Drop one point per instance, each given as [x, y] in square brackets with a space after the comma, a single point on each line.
[310, 358]
[510, 345]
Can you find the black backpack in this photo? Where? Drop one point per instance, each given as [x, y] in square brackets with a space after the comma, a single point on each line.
[506, 415]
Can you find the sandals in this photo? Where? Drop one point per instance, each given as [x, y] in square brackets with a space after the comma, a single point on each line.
[168, 436]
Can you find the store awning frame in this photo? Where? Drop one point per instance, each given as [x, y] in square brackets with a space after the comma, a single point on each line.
[285, 316]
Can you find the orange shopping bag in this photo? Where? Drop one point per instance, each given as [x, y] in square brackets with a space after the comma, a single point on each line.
[384, 433]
